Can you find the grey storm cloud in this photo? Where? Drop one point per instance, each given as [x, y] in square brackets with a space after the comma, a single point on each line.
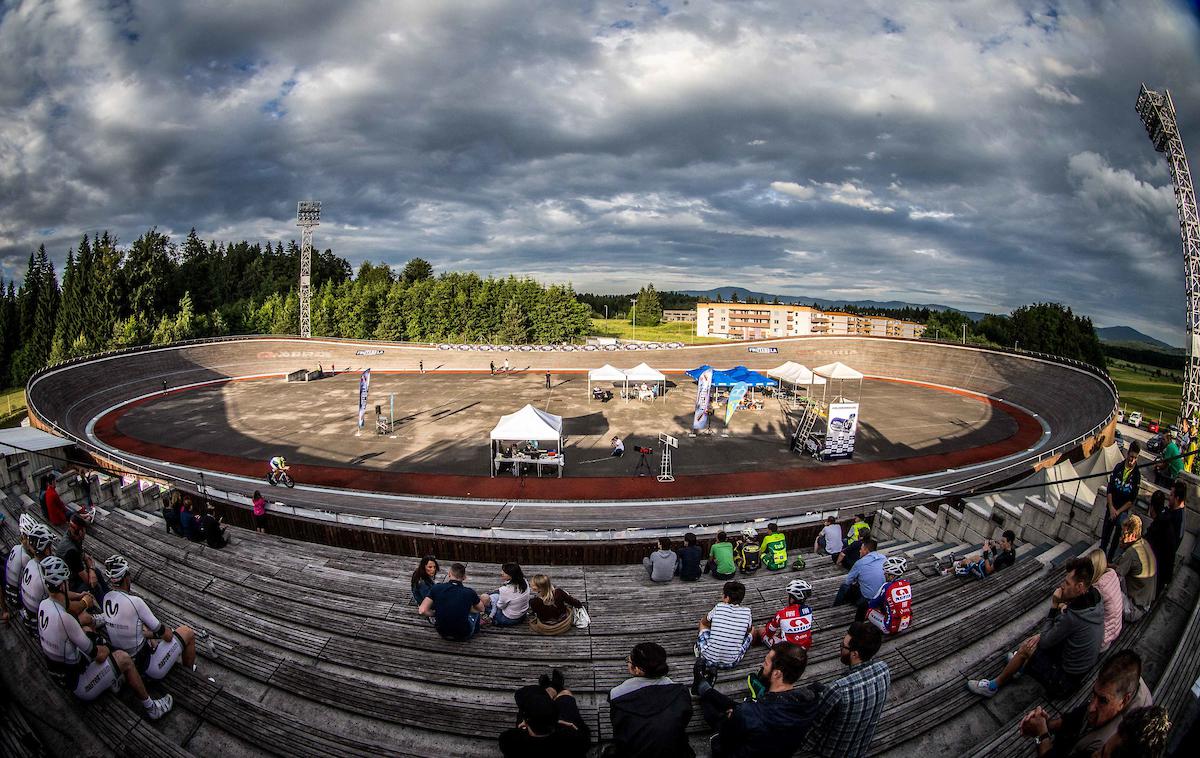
[982, 154]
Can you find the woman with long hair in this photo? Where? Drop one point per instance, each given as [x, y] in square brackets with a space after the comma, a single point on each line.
[423, 578]
[508, 605]
[550, 608]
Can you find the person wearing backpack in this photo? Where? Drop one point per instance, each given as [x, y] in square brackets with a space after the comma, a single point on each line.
[773, 549]
[745, 551]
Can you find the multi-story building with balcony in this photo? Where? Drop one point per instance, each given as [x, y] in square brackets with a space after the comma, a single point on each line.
[747, 321]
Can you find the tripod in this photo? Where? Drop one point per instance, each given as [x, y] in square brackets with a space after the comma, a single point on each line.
[643, 463]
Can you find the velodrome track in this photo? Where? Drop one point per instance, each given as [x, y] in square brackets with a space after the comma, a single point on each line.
[1068, 402]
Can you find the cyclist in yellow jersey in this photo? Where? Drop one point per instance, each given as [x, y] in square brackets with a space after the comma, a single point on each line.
[774, 549]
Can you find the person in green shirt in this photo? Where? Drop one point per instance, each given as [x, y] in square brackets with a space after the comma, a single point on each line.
[774, 549]
[1172, 459]
[720, 556]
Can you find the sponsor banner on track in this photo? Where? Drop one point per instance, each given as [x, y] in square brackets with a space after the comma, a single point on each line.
[267, 355]
[368, 352]
[703, 394]
[762, 349]
[364, 386]
[735, 398]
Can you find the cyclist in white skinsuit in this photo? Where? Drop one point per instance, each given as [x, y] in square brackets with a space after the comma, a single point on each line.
[128, 619]
[33, 585]
[14, 565]
[81, 665]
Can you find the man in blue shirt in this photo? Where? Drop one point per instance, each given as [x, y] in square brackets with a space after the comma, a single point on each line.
[454, 607]
[864, 580]
[1123, 485]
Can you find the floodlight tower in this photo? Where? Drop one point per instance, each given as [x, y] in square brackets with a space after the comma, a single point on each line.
[308, 215]
[1158, 115]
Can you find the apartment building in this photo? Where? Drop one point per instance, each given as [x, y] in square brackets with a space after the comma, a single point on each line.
[746, 321]
[684, 316]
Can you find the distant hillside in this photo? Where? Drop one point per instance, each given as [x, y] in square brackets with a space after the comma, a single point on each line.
[1127, 336]
[743, 293]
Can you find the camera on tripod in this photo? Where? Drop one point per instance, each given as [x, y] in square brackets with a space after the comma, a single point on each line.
[643, 450]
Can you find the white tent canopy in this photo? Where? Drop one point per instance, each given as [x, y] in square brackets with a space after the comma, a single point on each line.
[529, 423]
[606, 373]
[643, 373]
[802, 375]
[841, 372]
[837, 370]
[783, 370]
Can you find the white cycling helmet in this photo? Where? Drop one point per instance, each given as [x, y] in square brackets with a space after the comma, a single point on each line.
[799, 588]
[55, 570]
[116, 567]
[28, 524]
[749, 533]
[895, 565]
[40, 537]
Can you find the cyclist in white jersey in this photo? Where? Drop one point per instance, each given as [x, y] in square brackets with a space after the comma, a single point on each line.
[33, 585]
[14, 566]
[81, 664]
[132, 627]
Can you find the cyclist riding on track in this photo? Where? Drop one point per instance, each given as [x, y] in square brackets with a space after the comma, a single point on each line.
[279, 467]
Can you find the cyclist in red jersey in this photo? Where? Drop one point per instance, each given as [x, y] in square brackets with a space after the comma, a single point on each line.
[891, 609]
[794, 622]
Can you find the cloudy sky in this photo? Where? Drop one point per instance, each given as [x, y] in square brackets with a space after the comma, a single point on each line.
[982, 154]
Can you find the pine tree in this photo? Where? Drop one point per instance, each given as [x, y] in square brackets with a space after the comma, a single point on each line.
[649, 307]
[514, 329]
[69, 325]
[6, 324]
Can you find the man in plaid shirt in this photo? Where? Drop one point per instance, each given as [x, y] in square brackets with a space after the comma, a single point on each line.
[850, 707]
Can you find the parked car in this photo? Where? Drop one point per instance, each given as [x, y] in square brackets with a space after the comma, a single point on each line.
[1135, 419]
[1152, 426]
[1156, 443]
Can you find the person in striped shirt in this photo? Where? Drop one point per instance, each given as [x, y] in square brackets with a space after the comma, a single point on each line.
[725, 635]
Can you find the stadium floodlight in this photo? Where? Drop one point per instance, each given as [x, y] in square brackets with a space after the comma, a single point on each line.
[1157, 112]
[308, 215]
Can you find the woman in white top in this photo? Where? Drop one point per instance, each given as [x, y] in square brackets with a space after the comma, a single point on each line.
[508, 605]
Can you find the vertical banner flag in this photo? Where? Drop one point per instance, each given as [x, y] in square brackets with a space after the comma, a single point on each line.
[843, 428]
[364, 384]
[735, 398]
[703, 393]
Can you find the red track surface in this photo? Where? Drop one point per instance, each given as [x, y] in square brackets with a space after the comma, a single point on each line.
[583, 488]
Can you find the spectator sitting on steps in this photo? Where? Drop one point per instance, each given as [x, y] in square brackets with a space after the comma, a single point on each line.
[189, 525]
[508, 605]
[550, 608]
[829, 541]
[690, 558]
[773, 549]
[84, 576]
[14, 566]
[33, 583]
[725, 635]
[862, 584]
[1082, 731]
[720, 558]
[550, 725]
[81, 666]
[1143, 733]
[1137, 570]
[649, 712]
[1109, 587]
[130, 626]
[776, 722]
[454, 607]
[849, 708]
[995, 556]
[662, 563]
[1060, 657]
[212, 529]
[56, 511]
[423, 579]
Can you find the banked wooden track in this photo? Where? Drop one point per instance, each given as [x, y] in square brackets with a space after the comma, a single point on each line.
[1069, 402]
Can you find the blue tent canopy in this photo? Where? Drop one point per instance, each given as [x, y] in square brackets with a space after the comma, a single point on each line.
[732, 376]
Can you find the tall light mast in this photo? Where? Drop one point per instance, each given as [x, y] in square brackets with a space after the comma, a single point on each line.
[1158, 115]
[308, 215]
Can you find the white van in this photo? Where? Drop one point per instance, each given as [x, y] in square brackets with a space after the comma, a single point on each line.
[1135, 419]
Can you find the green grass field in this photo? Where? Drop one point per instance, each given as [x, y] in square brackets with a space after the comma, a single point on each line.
[1155, 397]
[12, 406]
[674, 332]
